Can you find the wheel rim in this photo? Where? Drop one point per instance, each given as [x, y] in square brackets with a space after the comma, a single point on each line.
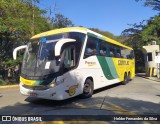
[87, 88]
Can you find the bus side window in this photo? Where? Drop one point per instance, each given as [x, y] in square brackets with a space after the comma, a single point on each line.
[69, 59]
[107, 49]
[132, 54]
[102, 48]
[118, 53]
[123, 54]
[92, 47]
[111, 54]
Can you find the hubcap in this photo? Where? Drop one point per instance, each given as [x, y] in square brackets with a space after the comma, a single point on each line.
[86, 88]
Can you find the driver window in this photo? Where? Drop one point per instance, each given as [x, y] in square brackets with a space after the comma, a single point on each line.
[69, 60]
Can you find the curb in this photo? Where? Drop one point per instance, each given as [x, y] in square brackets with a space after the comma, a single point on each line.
[151, 79]
[9, 86]
[148, 78]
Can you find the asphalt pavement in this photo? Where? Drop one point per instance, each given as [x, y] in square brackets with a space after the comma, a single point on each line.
[139, 97]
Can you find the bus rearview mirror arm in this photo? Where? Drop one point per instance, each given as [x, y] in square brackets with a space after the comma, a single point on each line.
[17, 49]
[60, 43]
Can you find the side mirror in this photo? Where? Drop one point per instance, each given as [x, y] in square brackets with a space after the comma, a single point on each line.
[60, 43]
[17, 49]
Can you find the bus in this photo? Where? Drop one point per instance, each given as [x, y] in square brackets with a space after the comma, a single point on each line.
[63, 63]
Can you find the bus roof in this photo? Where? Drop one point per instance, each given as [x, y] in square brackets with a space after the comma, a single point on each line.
[82, 30]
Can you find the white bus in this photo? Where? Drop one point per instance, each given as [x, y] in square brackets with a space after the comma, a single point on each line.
[63, 63]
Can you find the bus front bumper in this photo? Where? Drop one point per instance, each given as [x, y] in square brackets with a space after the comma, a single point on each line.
[49, 93]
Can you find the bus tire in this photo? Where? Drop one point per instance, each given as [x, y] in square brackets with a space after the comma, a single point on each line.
[129, 76]
[125, 81]
[88, 88]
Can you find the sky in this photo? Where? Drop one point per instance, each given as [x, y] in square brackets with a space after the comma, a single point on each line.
[107, 15]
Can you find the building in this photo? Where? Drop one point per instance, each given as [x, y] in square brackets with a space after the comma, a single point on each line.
[150, 52]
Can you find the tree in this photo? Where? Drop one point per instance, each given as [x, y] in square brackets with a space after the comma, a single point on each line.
[154, 4]
[60, 21]
[108, 34]
[15, 25]
[151, 32]
[143, 33]
[19, 20]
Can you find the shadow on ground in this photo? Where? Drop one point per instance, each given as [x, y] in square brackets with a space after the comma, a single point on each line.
[36, 105]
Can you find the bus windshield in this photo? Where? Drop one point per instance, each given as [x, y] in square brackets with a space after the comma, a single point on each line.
[39, 60]
[39, 57]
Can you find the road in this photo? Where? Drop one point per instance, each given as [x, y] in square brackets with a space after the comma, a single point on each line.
[140, 96]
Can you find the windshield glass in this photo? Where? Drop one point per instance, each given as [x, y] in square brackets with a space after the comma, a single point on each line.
[39, 58]
[47, 50]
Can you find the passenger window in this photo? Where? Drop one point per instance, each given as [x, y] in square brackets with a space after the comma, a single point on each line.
[103, 50]
[118, 52]
[132, 54]
[111, 54]
[69, 59]
[92, 47]
[127, 53]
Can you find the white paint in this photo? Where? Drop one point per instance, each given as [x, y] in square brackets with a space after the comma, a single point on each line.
[60, 43]
[47, 65]
[157, 59]
[17, 49]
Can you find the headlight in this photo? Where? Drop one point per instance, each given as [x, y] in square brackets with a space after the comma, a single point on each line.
[52, 84]
[56, 83]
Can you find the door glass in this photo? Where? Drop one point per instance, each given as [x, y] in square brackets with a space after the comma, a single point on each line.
[69, 60]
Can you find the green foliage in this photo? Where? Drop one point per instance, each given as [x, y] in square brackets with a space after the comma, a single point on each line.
[2, 82]
[143, 33]
[108, 34]
[19, 20]
[152, 31]
[154, 4]
[60, 21]
[16, 21]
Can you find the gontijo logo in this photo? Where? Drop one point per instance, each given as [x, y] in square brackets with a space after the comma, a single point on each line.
[123, 62]
[90, 63]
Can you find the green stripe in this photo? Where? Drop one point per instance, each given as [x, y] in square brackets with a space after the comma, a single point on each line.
[111, 67]
[108, 67]
[43, 82]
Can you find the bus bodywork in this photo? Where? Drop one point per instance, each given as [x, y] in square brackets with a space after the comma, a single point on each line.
[63, 63]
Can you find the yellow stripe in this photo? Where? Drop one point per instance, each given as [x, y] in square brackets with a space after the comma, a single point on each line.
[63, 30]
[115, 42]
[27, 82]
[57, 31]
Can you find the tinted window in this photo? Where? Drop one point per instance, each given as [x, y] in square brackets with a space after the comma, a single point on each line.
[79, 37]
[92, 46]
[126, 53]
[103, 48]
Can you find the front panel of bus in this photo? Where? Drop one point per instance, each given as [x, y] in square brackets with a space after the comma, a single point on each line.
[41, 68]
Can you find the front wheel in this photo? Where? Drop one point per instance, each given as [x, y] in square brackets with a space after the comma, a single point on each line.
[87, 89]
